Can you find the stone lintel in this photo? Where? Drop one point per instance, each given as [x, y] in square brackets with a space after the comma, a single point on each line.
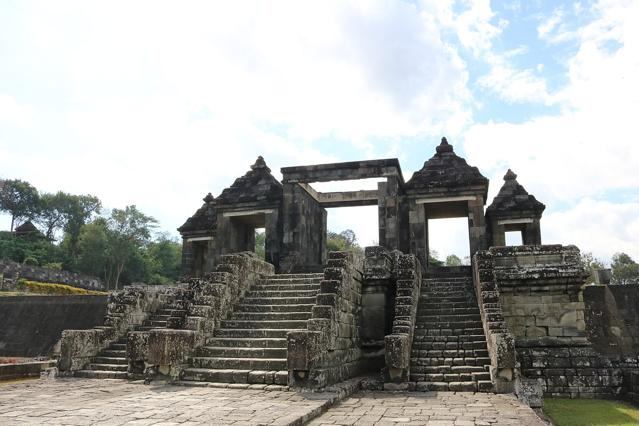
[352, 170]
[515, 221]
[247, 212]
[445, 199]
[188, 240]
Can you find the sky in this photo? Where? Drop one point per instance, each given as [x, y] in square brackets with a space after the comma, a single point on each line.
[157, 103]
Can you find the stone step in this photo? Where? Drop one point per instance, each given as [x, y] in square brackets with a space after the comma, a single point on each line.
[455, 345]
[118, 347]
[447, 369]
[280, 293]
[450, 338]
[447, 331]
[450, 353]
[449, 317]
[248, 333]
[457, 325]
[474, 310]
[446, 279]
[279, 300]
[158, 317]
[241, 352]
[239, 363]
[247, 342]
[448, 361]
[293, 307]
[108, 367]
[430, 294]
[109, 360]
[294, 277]
[441, 377]
[285, 287]
[468, 386]
[271, 316]
[235, 376]
[261, 324]
[425, 305]
[95, 374]
[438, 300]
[154, 323]
[113, 353]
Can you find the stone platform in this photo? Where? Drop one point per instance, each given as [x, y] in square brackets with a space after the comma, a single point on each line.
[118, 402]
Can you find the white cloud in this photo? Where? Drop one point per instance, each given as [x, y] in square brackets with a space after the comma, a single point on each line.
[600, 227]
[550, 23]
[589, 148]
[12, 113]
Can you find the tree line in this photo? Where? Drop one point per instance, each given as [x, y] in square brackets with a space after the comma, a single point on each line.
[120, 246]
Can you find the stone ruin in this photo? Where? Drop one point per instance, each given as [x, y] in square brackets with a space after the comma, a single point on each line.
[519, 319]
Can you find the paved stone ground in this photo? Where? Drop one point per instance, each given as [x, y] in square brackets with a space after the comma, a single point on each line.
[429, 408]
[117, 402]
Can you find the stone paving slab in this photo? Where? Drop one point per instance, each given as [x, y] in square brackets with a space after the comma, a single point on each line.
[118, 402]
[430, 409]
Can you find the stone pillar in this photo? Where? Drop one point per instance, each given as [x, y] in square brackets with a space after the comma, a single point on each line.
[389, 213]
[476, 225]
[418, 229]
[498, 234]
[187, 257]
[531, 234]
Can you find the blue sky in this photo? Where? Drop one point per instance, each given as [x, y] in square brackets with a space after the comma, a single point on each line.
[157, 103]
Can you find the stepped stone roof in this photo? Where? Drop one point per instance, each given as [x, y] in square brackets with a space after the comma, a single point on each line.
[446, 172]
[204, 218]
[257, 185]
[513, 198]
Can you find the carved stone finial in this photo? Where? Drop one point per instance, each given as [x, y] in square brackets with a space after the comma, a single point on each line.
[209, 197]
[260, 164]
[444, 146]
[510, 175]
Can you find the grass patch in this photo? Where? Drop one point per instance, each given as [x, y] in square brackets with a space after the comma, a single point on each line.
[53, 289]
[590, 412]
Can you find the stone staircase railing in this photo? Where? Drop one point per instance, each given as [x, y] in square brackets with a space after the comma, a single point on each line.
[210, 300]
[125, 310]
[399, 343]
[329, 350]
[501, 343]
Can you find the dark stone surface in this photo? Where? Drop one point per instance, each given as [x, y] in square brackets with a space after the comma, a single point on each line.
[258, 184]
[512, 197]
[445, 172]
[31, 325]
[12, 269]
[204, 218]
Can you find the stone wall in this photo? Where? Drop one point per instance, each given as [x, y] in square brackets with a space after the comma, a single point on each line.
[540, 290]
[329, 350]
[125, 309]
[209, 301]
[12, 269]
[31, 325]
[500, 341]
[398, 344]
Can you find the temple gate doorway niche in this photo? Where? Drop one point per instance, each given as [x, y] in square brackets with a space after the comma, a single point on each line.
[449, 236]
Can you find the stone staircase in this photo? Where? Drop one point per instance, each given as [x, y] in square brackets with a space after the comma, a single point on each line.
[449, 349]
[111, 363]
[250, 346]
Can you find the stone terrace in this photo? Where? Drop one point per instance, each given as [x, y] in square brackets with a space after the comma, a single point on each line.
[117, 402]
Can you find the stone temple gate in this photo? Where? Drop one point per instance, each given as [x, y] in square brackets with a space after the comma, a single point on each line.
[293, 213]
[518, 319]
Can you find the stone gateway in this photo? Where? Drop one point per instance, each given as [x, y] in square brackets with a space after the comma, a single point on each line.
[518, 319]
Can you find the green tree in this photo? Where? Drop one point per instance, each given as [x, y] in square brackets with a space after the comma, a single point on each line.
[624, 269]
[80, 210]
[19, 199]
[53, 212]
[433, 259]
[591, 265]
[93, 244]
[129, 230]
[164, 256]
[453, 260]
[344, 241]
[260, 244]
